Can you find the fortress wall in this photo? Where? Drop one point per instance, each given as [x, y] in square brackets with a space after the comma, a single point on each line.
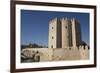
[66, 54]
[84, 52]
[73, 53]
[57, 54]
[45, 53]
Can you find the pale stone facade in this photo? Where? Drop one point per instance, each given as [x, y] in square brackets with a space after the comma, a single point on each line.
[64, 33]
[76, 33]
[54, 34]
[55, 54]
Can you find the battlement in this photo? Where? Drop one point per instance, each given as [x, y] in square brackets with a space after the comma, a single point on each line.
[63, 19]
[57, 54]
[74, 20]
[68, 48]
[53, 20]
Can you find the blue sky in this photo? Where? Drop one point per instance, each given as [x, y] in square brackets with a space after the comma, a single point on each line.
[35, 25]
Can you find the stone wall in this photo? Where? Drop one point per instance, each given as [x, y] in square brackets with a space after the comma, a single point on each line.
[57, 54]
[45, 53]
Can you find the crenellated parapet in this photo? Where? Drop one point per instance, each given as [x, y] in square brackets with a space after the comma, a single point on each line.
[55, 54]
[53, 20]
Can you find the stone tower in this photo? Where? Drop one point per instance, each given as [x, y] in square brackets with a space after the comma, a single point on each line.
[76, 33]
[54, 34]
[64, 33]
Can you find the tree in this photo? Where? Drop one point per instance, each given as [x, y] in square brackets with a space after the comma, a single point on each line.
[83, 43]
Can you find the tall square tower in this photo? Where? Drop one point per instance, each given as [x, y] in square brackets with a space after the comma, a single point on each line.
[64, 33]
